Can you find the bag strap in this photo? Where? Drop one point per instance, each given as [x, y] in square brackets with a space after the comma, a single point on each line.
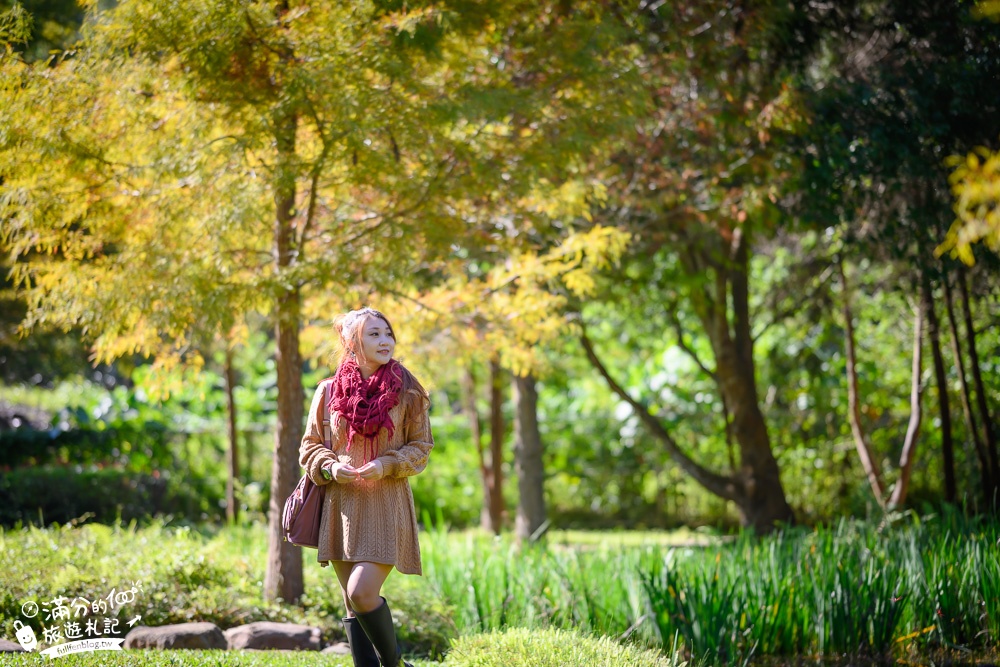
[327, 430]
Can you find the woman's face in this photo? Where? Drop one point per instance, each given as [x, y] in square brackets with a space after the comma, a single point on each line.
[377, 342]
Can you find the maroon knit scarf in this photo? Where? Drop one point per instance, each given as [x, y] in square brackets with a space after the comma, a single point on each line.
[365, 404]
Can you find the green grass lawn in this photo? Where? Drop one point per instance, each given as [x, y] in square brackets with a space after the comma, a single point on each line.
[616, 539]
[512, 648]
[150, 658]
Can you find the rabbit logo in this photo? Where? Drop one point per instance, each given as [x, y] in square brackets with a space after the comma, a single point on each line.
[25, 636]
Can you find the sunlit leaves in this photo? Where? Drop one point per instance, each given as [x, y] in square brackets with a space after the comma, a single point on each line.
[571, 199]
[15, 26]
[143, 167]
[988, 9]
[515, 311]
[975, 184]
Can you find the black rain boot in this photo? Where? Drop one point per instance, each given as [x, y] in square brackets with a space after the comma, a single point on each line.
[378, 625]
[361, 647]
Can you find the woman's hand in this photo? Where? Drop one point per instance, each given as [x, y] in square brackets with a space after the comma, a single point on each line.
[343, 473]
[371, 471]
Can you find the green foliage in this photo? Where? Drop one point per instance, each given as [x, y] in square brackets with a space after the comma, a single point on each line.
[848, 590]
[43, 495]
[853, 589]
[451, 489]
[856, 589]
[143, 444]
[15, 25]
[39, 27]
[187, 575]
[492, 584]
[146, 214]
[859, 600]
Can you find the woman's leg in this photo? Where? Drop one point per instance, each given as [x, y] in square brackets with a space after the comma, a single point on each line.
[362, 649]
[364, 585]
[343, 570]
[363, 595]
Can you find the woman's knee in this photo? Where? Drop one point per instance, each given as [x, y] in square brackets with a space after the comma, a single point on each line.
[364, 586]
[363, 598]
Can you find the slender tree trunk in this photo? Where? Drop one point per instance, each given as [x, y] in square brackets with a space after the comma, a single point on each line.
[248, 440]
[283, 577]
[907, 457]
[476, 431]
[970, 418]
[232, 458]
[528, 460]
[868, 461]
[494, 510]
[941, 378]
[989, 428]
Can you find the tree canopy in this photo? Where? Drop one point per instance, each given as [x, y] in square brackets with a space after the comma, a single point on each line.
[678, 206]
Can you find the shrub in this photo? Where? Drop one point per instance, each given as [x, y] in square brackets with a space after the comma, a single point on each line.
[547, 648]
[60, 494]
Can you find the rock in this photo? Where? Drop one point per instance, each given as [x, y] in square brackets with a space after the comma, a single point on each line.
[340, 648]
[270, 635]
[180, 635]
[7, 646]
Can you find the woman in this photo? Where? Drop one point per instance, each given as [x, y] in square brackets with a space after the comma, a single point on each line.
[380, 436]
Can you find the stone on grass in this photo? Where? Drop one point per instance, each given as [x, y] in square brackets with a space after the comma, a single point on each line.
[179, 635]
[270, 635]
[340, 648]
[7, 646]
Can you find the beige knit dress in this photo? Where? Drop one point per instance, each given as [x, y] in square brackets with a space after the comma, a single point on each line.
[370, 520]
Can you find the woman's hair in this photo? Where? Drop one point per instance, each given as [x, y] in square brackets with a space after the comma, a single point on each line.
[350, 328]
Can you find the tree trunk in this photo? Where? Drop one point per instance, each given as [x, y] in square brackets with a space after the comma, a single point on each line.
[970, 417]
[232, 458]
[476, 431]
[989, 428]
[763, 503]
[868, 461]
[906, 458]
[941, 378]
[492, 516]
[249, 444]
[528, 461]
[283, 578]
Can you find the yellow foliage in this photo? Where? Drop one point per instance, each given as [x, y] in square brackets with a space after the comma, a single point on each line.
[146, 212]
[987, 9]
[570, 200]
[515, 312]
[975, 184]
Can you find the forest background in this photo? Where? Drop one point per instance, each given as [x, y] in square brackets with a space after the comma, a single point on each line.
[659, 264]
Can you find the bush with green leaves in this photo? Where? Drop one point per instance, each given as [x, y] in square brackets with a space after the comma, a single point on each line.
[548, 648]
[62, 494]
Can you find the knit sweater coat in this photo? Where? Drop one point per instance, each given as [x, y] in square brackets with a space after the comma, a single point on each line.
[370, 520]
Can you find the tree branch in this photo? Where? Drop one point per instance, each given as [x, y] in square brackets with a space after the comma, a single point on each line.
[676, 321]
[725, 487]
